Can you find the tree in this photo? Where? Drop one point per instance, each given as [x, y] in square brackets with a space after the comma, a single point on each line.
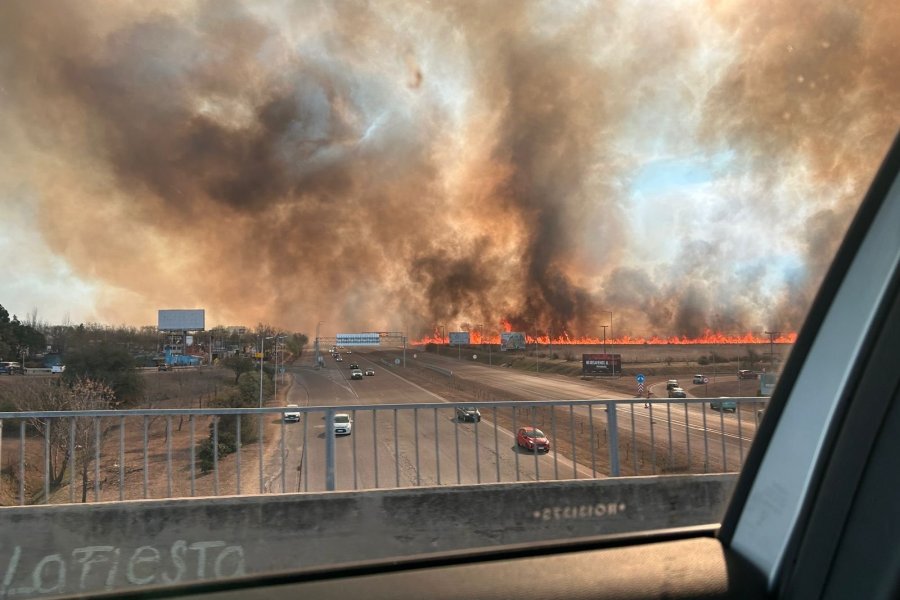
[18, 338]
[107, 363]
[88, 394]
[81, 394]
[240, 365]
[245, 396]
[296, 342]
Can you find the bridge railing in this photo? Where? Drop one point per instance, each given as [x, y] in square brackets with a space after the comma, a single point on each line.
[103, 455]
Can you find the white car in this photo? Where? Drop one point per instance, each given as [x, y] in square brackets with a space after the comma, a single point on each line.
[291, 416]
[370, 371]
[57, 368]
[356, 374]
[343, 424]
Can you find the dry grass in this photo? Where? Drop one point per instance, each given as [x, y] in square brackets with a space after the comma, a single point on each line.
[163, 477]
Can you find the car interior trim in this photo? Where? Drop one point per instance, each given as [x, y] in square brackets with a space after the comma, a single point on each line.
[769, 512]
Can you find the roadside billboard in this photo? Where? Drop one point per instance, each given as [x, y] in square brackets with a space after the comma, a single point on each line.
[182, 320]
[512, 340]
[358, 339]
[459, 338]
[601, 364]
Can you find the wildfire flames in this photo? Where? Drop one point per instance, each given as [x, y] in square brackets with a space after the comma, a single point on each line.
[708, 337]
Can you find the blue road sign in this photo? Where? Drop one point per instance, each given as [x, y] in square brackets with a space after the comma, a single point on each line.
[640, 378]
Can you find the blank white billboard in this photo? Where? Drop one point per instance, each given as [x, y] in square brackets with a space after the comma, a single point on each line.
[182, 320]
[358, 339]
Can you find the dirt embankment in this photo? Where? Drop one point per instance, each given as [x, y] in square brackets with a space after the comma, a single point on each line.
[164, 470]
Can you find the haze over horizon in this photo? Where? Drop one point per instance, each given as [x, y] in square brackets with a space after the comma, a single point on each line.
[386, 165]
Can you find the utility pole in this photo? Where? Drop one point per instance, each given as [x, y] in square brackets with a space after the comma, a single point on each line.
[772, 335]
[604, 337]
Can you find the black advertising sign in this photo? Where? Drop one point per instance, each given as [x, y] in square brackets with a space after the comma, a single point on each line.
[601, 364]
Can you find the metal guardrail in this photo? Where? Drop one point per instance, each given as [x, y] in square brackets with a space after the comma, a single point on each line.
[50, 456]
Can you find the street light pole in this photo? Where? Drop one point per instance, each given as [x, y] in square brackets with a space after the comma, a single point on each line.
[604, 337]
[262, 357]
[317, 343]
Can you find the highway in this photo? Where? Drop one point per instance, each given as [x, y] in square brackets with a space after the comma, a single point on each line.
[726, 434]
[406, 448]
[391, 449]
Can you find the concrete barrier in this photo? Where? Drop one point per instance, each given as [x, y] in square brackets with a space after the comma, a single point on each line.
[436, 369]
[92, 547]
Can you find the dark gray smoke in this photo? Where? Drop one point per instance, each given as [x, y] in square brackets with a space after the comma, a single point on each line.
[382, 165]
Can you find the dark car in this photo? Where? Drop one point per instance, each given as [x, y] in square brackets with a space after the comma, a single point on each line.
[354, 366]
[532, 439]
[12, 368]
[746, 374]
[677, 392]
[356, 374]
[165, 367]
[468, 413]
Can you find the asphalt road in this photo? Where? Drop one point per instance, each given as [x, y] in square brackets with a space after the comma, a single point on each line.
[430, 447]
[713, 439]
[397, 448]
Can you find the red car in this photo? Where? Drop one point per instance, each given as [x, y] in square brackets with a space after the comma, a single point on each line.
[532, 439]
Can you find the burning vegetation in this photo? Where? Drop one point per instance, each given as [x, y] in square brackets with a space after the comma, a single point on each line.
[467, 163]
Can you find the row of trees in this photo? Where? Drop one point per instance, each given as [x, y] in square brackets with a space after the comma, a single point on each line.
[17, 338]
[32, 336]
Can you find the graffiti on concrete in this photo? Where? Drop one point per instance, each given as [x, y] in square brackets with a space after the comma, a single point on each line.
[105, 567]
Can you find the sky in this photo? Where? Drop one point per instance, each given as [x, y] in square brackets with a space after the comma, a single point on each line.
[689, 165]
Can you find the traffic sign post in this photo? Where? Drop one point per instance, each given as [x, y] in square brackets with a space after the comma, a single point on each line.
[640, 382]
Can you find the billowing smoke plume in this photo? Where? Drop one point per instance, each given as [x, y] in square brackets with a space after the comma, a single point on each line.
[381, 165]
